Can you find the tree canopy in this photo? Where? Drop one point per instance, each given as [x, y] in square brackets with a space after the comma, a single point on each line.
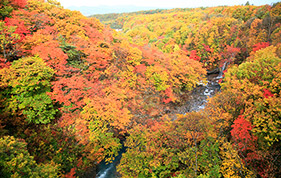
[73, 91]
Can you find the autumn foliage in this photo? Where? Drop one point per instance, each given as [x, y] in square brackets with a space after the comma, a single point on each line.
[73, 91]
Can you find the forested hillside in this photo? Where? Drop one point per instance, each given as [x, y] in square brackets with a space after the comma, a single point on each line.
[73, 90]
[115, 20]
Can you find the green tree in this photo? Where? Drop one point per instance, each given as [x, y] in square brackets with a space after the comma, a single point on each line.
[27, 82]
[15, 161]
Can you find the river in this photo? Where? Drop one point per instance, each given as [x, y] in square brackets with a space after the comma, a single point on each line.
[109, 170]
[196, 102]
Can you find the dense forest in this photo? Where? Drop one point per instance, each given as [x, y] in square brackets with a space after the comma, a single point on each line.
[73, 91]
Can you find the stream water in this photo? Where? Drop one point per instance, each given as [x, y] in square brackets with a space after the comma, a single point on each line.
[200, 94]
[196, 102]
[109, 170]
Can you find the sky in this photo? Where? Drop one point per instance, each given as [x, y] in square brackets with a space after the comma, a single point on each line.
[162, 3]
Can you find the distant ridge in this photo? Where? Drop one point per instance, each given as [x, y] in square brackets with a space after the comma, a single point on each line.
[92, 10]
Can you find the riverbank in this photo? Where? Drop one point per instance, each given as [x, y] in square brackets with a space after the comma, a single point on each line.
[194, 102]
